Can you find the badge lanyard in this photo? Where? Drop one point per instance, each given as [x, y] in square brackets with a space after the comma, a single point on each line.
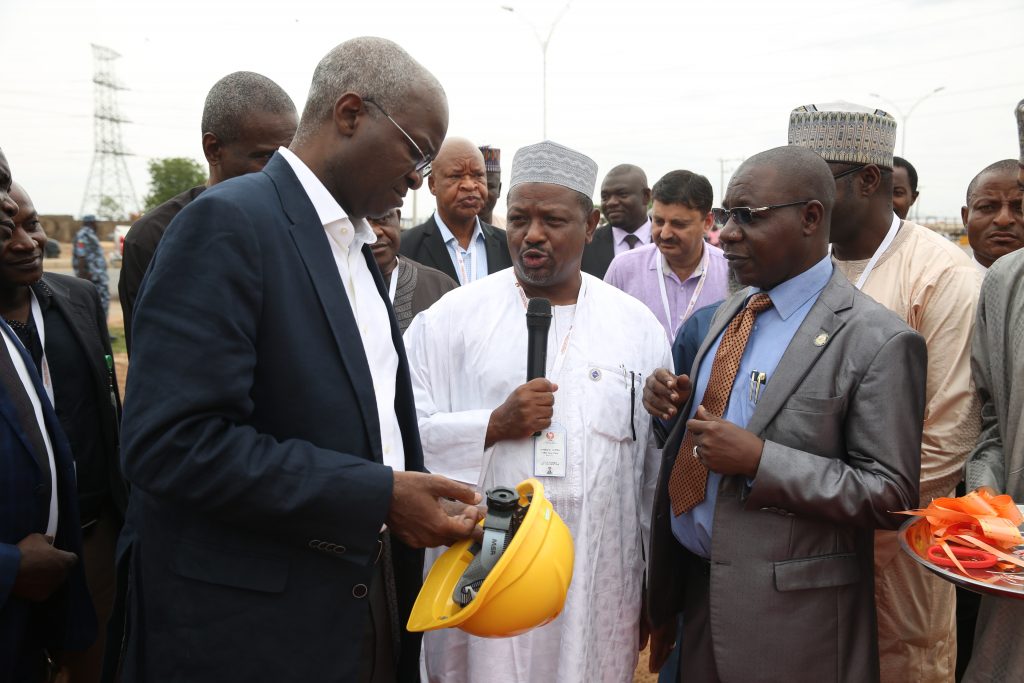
[556, 367]
[37, 318]
[693, 299]
[393, 285]
[467, 275]
[889, 237]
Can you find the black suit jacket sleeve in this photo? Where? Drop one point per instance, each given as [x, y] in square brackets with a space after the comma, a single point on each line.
[188, 434]
[598, 255]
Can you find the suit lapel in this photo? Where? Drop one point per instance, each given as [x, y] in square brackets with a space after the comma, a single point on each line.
[315, 252]
[405, 404]
[825, 318]
[79, 319]
[434, 245]
[498, 257]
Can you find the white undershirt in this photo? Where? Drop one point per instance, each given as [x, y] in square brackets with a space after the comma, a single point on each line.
[37, 407]
[347, 237]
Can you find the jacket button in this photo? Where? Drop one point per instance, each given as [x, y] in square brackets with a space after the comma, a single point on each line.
[359, 590]
[340, 550]
[314, 543]
[330, 547]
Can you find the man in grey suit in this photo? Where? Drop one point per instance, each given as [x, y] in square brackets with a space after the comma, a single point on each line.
[803, 435]
[997, 365]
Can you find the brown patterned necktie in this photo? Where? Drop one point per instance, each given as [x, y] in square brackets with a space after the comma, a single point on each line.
[689, 478]
[632, 240]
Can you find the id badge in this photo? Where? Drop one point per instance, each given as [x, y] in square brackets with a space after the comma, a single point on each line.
[550, 452]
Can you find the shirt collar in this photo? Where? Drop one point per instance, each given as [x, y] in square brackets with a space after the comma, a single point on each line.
[667, 269]
[328, 210]
[448, 235]
[791, 295]
[643, 232]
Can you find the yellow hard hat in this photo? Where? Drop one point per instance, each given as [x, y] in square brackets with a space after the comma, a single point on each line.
[524, 588]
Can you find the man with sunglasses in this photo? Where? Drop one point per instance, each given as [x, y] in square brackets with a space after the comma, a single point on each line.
[454, 240]
[791, 453]
[278, 489]
[931, 284]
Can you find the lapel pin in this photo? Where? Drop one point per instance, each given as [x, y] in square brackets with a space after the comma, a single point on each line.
[821, 339]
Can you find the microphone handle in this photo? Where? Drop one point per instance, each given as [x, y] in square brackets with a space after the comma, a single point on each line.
[536, 355]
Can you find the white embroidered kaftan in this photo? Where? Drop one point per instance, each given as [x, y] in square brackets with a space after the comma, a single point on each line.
[467, 353]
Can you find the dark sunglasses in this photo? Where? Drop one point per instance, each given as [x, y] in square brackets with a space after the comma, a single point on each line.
[744, 215]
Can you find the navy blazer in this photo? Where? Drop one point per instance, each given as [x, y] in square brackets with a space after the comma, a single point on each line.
[425, 245]
[252, 442]
[66, 620]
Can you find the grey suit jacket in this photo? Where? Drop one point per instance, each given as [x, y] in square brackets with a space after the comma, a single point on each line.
[792, 588]
[997, 363]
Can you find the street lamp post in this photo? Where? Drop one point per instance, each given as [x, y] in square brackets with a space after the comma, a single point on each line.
[543, 42]
[904, 117]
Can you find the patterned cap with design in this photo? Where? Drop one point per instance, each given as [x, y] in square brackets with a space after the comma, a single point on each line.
[845, 132]
[555, 164]
[1020, 128]
[492, 158]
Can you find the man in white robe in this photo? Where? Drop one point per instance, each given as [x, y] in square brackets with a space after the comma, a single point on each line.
[477, 417]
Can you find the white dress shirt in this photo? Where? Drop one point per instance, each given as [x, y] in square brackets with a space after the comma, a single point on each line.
[470, 264]
[37, 408]
[347, 237]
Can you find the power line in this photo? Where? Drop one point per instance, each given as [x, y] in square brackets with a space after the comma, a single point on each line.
[108, 192]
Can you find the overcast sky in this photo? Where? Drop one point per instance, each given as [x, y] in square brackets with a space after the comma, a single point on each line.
[664, 84]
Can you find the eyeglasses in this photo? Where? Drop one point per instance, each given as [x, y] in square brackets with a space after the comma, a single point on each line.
[744, 215]
[423, 165]
[849, 171]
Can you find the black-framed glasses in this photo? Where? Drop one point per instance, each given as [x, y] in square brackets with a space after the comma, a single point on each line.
[849, 171]
[423, 165]
[744, 215]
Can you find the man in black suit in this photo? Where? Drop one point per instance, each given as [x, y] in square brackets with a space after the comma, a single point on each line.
[246, 117]
[59, 320]
[271, 433]
[454, 240]
[44, 605]
[625, 198]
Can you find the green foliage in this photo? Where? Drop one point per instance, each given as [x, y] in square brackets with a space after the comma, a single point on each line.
[171, 176]
[109, 209]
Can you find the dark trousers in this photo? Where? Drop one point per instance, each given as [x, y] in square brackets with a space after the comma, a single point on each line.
[696, 653]
[377, 661]
[98, 545]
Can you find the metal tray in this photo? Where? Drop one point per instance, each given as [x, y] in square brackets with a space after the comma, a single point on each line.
[915, 539]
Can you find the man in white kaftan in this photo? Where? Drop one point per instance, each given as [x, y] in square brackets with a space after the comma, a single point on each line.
[468, 358]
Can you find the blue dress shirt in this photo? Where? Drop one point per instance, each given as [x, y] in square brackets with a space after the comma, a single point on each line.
[773, 331]
[475, 257]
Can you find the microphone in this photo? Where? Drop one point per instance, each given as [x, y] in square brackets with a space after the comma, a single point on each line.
[538, 322]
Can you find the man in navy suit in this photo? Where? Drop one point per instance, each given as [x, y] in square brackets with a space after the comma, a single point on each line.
[44, 605]
[270, 434]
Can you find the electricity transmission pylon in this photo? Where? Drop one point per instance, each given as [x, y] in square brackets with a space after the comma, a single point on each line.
[108, 192]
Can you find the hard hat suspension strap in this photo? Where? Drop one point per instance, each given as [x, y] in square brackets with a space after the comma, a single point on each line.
[503, 511]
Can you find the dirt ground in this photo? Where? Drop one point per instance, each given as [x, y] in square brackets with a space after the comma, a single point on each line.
[642, 675]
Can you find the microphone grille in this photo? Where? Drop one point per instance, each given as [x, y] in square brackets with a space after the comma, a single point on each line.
[538, 306]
